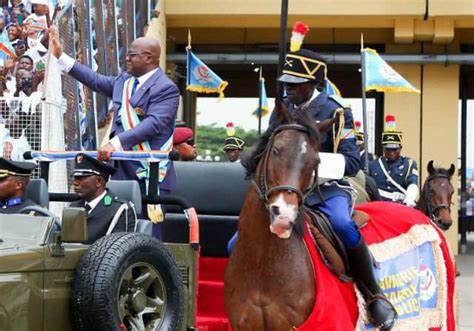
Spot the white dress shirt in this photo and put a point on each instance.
(96, 201)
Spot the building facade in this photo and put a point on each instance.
(435, 39)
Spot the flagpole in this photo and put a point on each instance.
(282, 47)
(260, 96)
(364, 102)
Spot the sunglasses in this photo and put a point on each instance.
(190, 142)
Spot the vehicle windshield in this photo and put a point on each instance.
(30, 229)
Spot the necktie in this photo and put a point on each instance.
(87, 208)
(134, 87)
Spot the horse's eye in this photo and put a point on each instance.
(275, 150)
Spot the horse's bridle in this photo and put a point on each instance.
(432, 209)
(263, 190)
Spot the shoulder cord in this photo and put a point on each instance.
(117, 215)
(394, 183)
(336, 134)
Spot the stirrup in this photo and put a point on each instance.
(381, 312)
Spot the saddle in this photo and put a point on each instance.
(327, 243)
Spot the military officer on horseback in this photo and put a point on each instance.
(396, 175)
(304, 79)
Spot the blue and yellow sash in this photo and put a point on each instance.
(129, 119)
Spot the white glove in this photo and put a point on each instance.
(412, 194)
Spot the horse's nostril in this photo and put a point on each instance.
(275, 210)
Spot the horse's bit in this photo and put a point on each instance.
(263, 190)
(433, 210)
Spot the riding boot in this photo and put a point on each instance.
(381, 311)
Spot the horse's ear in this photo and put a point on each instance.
(451, 170)
(430, 167)
(281, 110)
(325, 126)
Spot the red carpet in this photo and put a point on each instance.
(211, 314)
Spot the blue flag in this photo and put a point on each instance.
(380, 76)
(201, 79)
(264, 102)
(331, 88)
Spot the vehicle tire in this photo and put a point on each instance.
(127, 281)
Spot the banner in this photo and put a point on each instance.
(331, 88)
(380, 76)
(264, 110)
(200, 78)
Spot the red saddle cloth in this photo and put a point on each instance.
(335, 305)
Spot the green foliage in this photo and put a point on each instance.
(212, 138)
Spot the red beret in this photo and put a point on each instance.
(182, 134)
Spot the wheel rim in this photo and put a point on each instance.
(141, 298)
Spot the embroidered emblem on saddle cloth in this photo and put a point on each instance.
(328, 244)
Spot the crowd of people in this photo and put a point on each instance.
(24, 39)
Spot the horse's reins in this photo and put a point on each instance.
(433, 210)
(263, 190)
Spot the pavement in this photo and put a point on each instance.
(465, 287)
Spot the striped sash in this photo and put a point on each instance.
(129, 119)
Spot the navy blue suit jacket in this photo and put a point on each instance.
(158, 99)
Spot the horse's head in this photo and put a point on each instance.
(436, 195)
(283, 167)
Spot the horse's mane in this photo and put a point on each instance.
(425, 196)
(302, 117)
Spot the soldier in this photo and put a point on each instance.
(396, 175)
(105, 212)
(184, 144)
(14, 178)
(233, 145)
(304, 78)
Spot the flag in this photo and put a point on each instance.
(6, 46)
(380, 76)
(331, 88)
(201, 79)
(264, 101)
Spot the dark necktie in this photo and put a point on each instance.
(87, 208)
(134, 87)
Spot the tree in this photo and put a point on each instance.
(211, 137)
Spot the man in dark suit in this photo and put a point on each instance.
(105, 212)
(145, 107)
(14, 177)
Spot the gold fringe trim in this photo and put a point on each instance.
(385, 88)
(416, 236)
(201, 89)
(392, 248)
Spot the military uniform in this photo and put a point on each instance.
(106, 212)
(306, 67)
(99, 219)
(403, 171)
(13, 204)
(397, 180)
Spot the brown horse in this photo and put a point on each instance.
(270, 282)
(257, 275)
(436, 195)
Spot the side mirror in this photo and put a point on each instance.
(74, 225)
